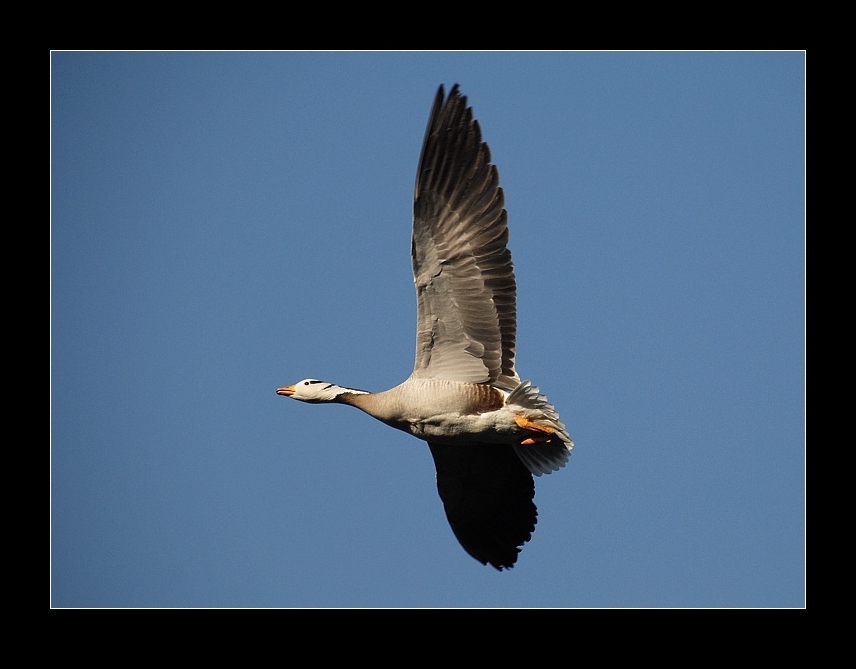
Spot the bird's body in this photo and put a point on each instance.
(488, 431)
(444, 411)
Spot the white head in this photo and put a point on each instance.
(312, 390)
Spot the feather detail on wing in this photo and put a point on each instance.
(465, 288)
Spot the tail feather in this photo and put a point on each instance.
(541, 458)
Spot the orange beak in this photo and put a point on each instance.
(288, 391)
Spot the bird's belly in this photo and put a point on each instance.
(491, 427)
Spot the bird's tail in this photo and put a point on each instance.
(551, 454)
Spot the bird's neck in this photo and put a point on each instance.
(347, 395)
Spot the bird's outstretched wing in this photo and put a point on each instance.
(465, 288)
(487, 493)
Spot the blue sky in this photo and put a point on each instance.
(223, 224)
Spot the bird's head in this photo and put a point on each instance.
(312, 390)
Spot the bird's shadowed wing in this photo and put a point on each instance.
(465, 289)
(487, 493)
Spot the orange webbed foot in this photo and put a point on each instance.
(542, 434)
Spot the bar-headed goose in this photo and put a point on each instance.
(488, 431)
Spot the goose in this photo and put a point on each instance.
(488, 431)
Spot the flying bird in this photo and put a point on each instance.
(488, 431)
